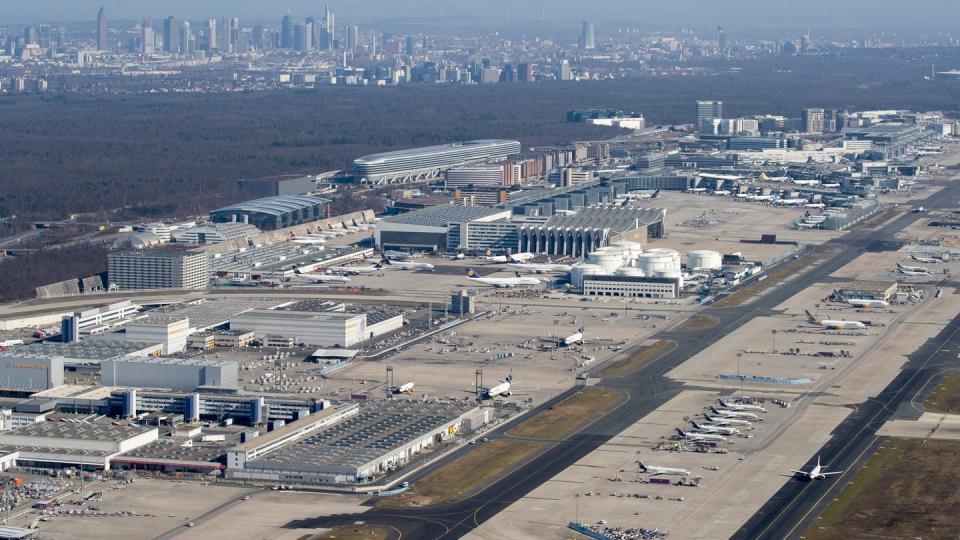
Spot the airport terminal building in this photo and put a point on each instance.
(429, 162)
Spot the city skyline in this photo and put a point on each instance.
(855, 14)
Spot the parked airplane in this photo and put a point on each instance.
(662, 470)
(405, 388)
(407, 265)
(727, 413)
(925, 260)
(308, 240)
(502, 389)
(806, 182)
(816, 473)
(790, 202)
(720, 430)
(516, 281)
(835, 324)
(814, 205)
(700, 436)
(321, 278)
(538, 268)
(725, 421)
(864, 303)
(576, 337)
(912, 270)
(519, 257)
(399, 255)
(741, 406)
(830, 185)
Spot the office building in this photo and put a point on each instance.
(158, 269)
(410, 47)
(146, 38)
(302, 37)
(169, 331)
(103, 30)
(286, 32)
(186, 39)
(331, 29)
(272, 213)
(707, 113)
(353, 38)
(212, 42)
(812, 121)
(171, 37)
(428, 162)
(587, 37)
(573, 176)
(271, 186)
(177, 374)
(477, 175)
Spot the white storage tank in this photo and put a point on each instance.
(659, 262)
(630, 271)
(630, 250)
(608, 259)
(580, 270)
(704, 259)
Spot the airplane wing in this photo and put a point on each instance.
(829, 473)
(798, 472)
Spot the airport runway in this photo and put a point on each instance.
(648, 390)
(798, 503)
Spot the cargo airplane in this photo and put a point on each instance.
(741, 406)
(835, 324)
(321, 278)
(726, 413)
(700, 436)
(719, 430)
(725, 421)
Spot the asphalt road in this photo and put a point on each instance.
(648, 389)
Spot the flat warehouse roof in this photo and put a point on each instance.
(278, 205)
(441, 215)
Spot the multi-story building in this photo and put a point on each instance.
(587, 37)
(477, 175)
(103, 42)
(707, 112)
(171, 39)
(158, 269)
(812, 121)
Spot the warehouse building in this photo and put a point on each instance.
(428, 162)
(324, 329)
(69, 444)
(96, 320)
(869, 290)
(427, 229)
(26, 371)
(158, 269)
(170, 332)
(272, 213)
(379, 438)
(179, 374)
(589, 229)
(272, 186)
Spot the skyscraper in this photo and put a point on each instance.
(331, 27)
(171, 38)
(353, 37)
(587, 37)
(721, 38)
(411, 46)
(146, 38)
(812, 120)
(45, 36)
(212, 42)
(286, 32)
(707, 112)
(186, 38)
(102, 30)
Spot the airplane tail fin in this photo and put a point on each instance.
(510, 259)
(643, 468)
(517, 274)
(694, 424)
(378, 266)
(681, 432)
(707, 417)
(810, 316)
(510, 376)
(714, 410)
(471, 274)
(384, 259)
(818, 460)
(297, 271)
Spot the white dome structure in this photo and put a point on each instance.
(704, 259)
(659, 263)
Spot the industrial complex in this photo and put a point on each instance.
(651, 331)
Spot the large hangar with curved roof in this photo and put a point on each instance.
(272, 213)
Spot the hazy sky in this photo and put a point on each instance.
(828, 14)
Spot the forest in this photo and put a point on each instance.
(166, 155)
